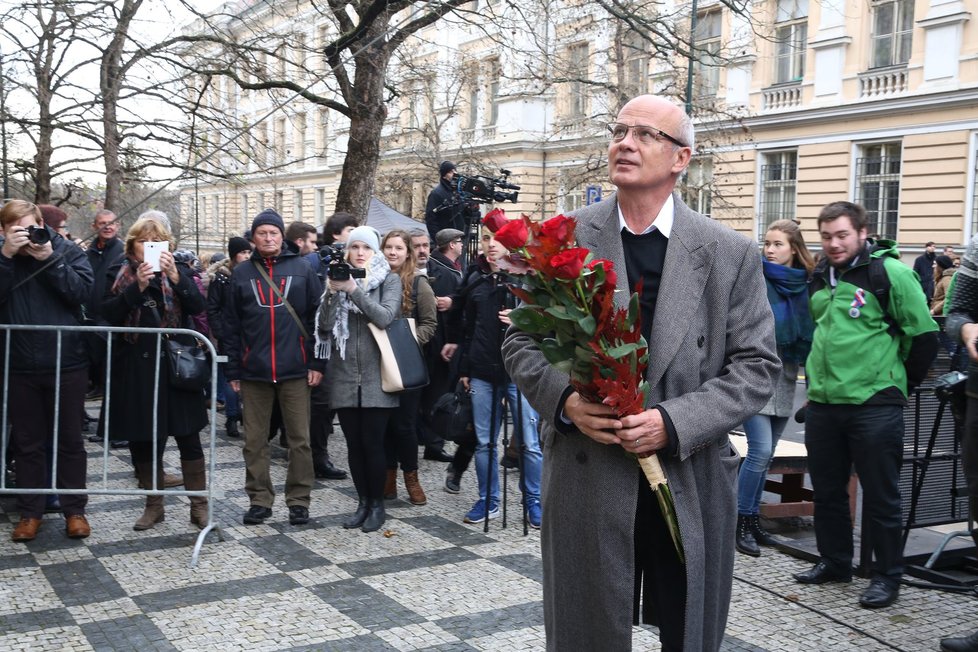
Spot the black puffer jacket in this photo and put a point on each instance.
(483, 296)
(218, 298)
(262, 340)
(102, 260)
(53, 296)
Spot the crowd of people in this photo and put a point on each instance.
(730, 327)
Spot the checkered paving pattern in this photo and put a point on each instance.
(426, 581)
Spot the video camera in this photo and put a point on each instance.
(487, 189)
(337, 269)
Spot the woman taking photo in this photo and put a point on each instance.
(787, 266)
(140, 297)
(354, 369)
(417, 301)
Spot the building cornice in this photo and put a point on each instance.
(846, 112)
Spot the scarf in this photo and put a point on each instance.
(377, 270)
(170, 317)
(787, 292)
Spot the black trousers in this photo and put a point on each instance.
(31, 409)
(969, 447)
(401, 441)
(320, 423)
(190, 449)
(869, 437)
(660, 578)
(364, 430)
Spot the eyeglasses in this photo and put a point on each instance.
(642, 133)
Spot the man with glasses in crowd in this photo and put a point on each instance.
(712, 363)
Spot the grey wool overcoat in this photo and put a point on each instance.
(712, 362)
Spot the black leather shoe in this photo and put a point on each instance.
(437, 455)
(231, 428)
(359, 516)
(298, 515)
(256, 515)
(820, 573)
(879, 594)
(326, 470)
(960, 643)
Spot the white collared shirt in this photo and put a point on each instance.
(662, 221)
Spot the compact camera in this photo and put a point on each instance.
(38, 235)
(337, 269)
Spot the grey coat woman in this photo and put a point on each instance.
(353, 372)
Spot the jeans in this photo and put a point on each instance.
(232, 402)
(763, 432)
(869, 437)
(484, 396)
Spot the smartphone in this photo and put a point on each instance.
(151, 253)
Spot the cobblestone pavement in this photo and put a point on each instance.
(424, 582)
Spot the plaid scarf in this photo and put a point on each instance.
(170, 317)
(787, 292)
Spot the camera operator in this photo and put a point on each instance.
(962, 326)
(44, 278)
(445, 209)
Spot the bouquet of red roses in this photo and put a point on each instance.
(568, 302)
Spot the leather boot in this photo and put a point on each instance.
(359, 516)
(375, 517)
(761, 536)
(390, 485)
(415, 492)
(153, 513)
(745, 539)
(231, 428)
(960, 643)
(195, 479)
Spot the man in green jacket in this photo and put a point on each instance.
(874, 342)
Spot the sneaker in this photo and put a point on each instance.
(509, 462)
(257, 514)
(452, 481)
(478, 512)
(298, 515)
(534, 514)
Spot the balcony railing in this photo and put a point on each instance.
(883, 83)
(777, 98)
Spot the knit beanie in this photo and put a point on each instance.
(944, 262)
(445, 168)
(268, 216)
(366, 235)
(236, 245)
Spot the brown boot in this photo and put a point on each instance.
(153, 513)
(390, 485)
(195, 479)
(415, 492)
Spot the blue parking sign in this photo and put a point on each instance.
(592, 195)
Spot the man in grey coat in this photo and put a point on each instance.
(608, 560)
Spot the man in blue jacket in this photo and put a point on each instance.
(270, 358)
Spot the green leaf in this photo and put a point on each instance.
(531, 319)
(588, 325)
(622, 351)
(634, 308)
(560, 312)
(584, 355)
(557, 353)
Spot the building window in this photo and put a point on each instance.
(475, 97)
(698, 185)
(279, 201)
(577, 73)
(892, 32)
(320, 206)
(791, 40)
(322, 134)
(706, 71)
(492, 70)
(636, 65)
(245, 213)
(779, 179)
(216, 212)
(300, 136)
(297, 205)
(878, 187)
(279, 156)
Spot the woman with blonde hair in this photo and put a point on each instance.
(787, 267)
(139, 297)
(417, 301)
(355, 391)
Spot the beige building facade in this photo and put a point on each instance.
(874, 102)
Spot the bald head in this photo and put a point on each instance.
(671, 117)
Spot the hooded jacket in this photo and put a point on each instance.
(262, 340)
(45, 292)
(859, 353)
(484, 295)
(218, 295)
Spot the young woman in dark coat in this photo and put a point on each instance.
(139, 297)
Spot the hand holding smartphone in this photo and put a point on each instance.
(151, 253)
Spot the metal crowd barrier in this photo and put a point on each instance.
(102, 487)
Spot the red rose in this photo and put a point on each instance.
(610, 276)
(568, 263)
(495, 219)
(513, 234)
(559, 228)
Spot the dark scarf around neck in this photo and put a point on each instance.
(787, 292)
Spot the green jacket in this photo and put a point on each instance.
(855, 358)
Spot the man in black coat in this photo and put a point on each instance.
(924, 266)
(445, 208)
(103, 253)
(270, 359)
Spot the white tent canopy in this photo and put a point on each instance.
(384, 218)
